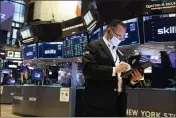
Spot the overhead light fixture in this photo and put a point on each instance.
(28, 40)
(170, 46)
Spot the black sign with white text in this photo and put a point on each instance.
(160, 28)
(132, 32)
(50, 50)
(29, 51)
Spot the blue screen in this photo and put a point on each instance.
(74, 45)
(11, 81)
(37, 75)
(159, 28)
(29, 51)
(50, 50)
(95, 35)
(172, 57)
(132, 32)
(104, 29)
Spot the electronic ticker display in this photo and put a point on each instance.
(159, 28)
(132, 32)
(74, 45)
(50, 50)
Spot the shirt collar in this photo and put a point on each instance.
(106, 41)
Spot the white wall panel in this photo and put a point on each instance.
(62, 10)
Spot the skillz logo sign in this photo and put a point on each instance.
(126, 35)
(167, 30)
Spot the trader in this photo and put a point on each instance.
(103, 64)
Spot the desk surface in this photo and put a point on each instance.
(47, 100)
(57, 86)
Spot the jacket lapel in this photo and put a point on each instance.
(106, 50)
(121, 57)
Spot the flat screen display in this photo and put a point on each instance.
(151, 58)
(13, 55)
(17, 55)
(50, 50)
(132, 33)
(37, 75)
(88, 18)
(11, 81)
(26, 33)
(29, 51)
(95, 35)
(159, 28)
(172, 57)
(10, 65)
(74, 45)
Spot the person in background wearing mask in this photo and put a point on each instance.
(103, 64)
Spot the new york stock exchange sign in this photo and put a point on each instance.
(147, 113)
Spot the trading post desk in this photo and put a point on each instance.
(7, 92)
(31, 100)
(55, 101)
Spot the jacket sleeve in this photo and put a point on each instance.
(91, 64)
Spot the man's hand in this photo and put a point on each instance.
(136, 75)
(122, 67)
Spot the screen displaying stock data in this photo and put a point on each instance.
(132, 32)
(159, 28)
(50, 50)
(74, 45)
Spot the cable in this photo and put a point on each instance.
(53, 19)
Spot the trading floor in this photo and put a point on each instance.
(6, 111)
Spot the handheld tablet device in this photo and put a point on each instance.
(141, 66)
(134, 61)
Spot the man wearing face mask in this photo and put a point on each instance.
(103, 64)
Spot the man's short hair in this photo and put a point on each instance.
(116, 22)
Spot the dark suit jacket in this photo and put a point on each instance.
(100, 86)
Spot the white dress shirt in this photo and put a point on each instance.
(113, 50)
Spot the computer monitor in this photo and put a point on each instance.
(88, 18)
(132, 36)
(95, 35)
(48, 50)
(74, 45)
(172, 56)
(152, 58)
(10, 65)
(159, 28)
(37, 75)
(11, 81)
(26, 33)
(29, 51)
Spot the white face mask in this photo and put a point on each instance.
(115, 41)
